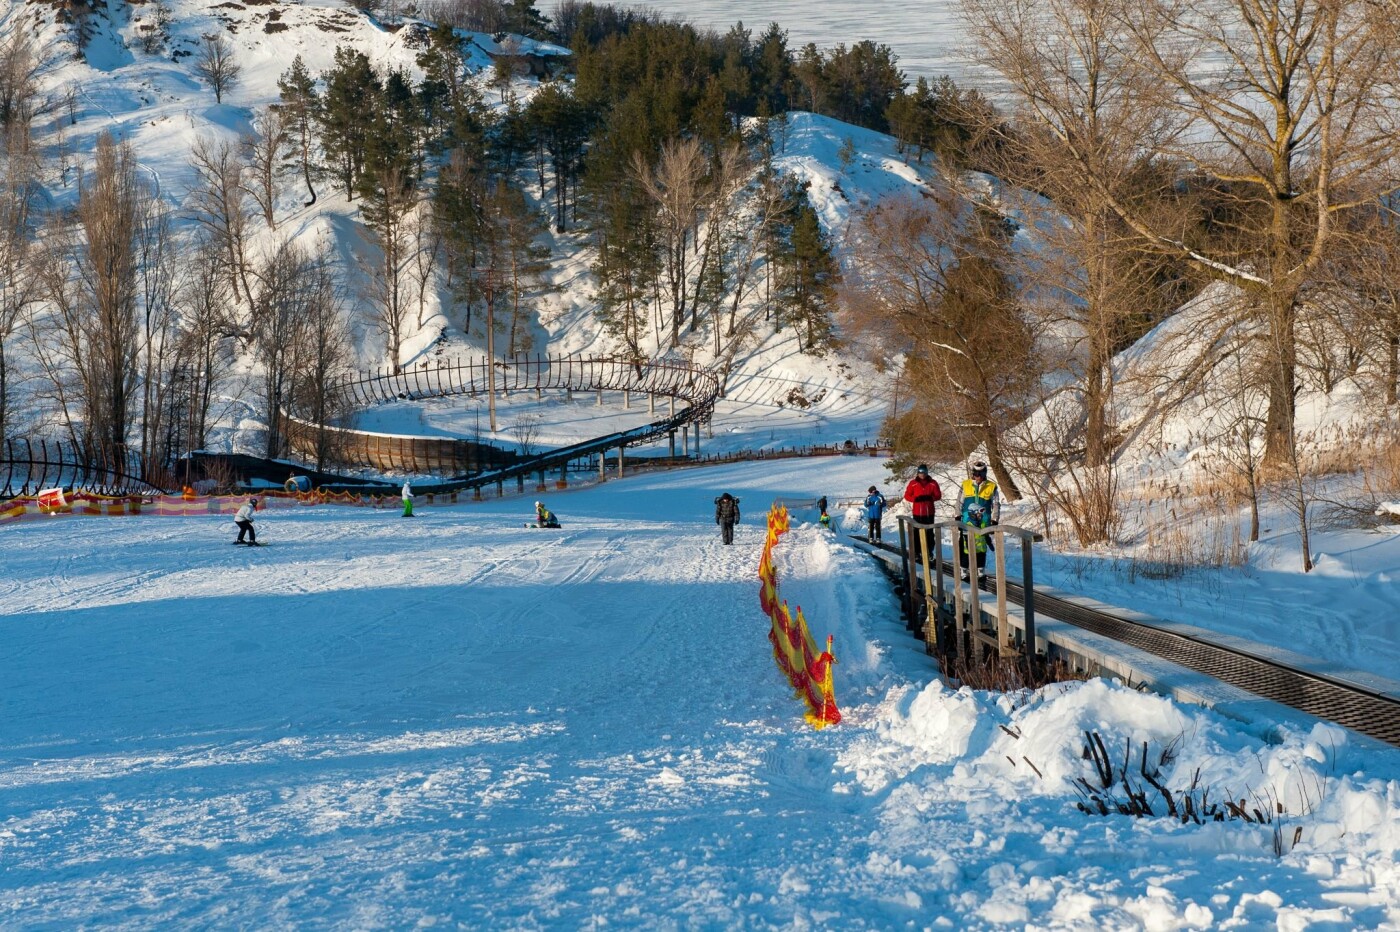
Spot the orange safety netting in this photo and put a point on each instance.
(793, 648)
(85, 503)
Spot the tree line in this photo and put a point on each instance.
(1152, 149)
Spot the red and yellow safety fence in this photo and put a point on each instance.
(793, 648)
(86, 503)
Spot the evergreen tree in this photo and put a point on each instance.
(807, 274)
(560, 122)
(348, 111)
(302, 108)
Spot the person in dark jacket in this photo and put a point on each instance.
(874, 512)
(726, 516)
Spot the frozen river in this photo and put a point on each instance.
(925, 34)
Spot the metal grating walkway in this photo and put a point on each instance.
(1371, 713)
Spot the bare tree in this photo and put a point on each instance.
(279, 325)
(323, 360)
(1237, 411)
(214, 62)
(263, 150)
(389, 288)
(158, 278)
(90, 277)
(219, 203)
(18, 280)
(931, 280)
(1285, 112)
(203, 352)
(426, 248)
(677, 187)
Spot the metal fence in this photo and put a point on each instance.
(696, 389)
(28, 466)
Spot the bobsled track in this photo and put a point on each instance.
(689, 393)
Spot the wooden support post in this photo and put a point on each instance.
(938, 570)
(974, 594)
(600, 397)
(906, 552)
(1028, 597)
(671, 437)
(539, 485)
(1003, 628)
(619, 461)
(563, 482)
(626, 400)
(930, 632)
(500, 489)
(602, 467)
(651, 403)
(959, 594)
(520, 483)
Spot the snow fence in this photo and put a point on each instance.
(86, 503)
(793, 648)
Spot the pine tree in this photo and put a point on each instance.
(349, 109)
(301, 105)
(807, 274)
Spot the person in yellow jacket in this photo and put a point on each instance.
(980, 507)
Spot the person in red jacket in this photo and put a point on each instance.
(922, 492)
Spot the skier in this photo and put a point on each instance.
(874, 511)
(544, 517)
(244, 519)
(726, 516)
(407, 500)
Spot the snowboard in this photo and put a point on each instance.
(246, 543)
(544, 527)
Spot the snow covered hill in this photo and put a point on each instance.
(155, 101)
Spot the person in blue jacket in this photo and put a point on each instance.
(874, 511)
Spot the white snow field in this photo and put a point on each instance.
(382, 722)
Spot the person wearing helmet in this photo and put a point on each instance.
(874, 512)
(981, 507)
(544, 517)
(244, 519)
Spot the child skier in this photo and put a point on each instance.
(407, 501)
(244, 519)
(544, 517)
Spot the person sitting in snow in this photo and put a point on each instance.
(544, 517)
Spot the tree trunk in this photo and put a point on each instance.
(1009, 490)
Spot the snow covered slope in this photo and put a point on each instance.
(385, 722)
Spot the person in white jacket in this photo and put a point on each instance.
(407, 501)
(244, 519)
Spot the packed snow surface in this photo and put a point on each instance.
(376, 721)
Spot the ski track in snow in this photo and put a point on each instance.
(387, 722)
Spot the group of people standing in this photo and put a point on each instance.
(979, 505)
